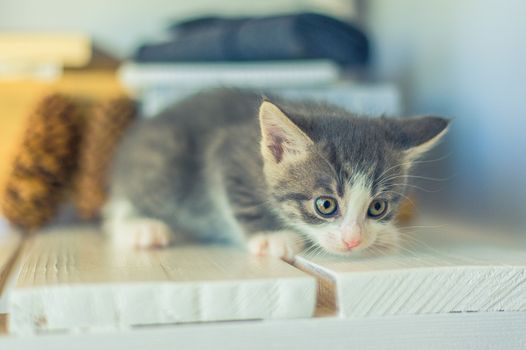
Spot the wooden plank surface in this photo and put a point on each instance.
(439, 269)
(75, 279)
(501, 330)
(9, 244)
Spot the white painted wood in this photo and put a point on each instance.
(441, 269)
(74, 279)
(495, 331)
(9, 245)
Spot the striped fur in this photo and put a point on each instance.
(227, 165)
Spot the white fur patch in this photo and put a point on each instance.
(357, 199)
(282, 244)
(142, 233)
(127, 229)
(115, 212)
(354, 206)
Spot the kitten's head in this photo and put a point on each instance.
(339, 179)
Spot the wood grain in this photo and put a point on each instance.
(439, 270)
(75, 279)
(9, 245)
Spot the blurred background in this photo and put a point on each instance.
(462, 59)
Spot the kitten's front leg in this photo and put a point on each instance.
(129, 229)
(284, 244)
(142, 233)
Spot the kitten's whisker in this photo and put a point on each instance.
(423, 227)
(309, 250)
(445, 254)
(393, 243)
(374, 251)
(401, 195)
(412, 253)
(407, 239)
(316, 251)
(390, 248)
(321, 252)
(445, 179)
(412, 186)
(380, 249)
(412, 163)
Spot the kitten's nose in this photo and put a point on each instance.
(352, 235)
(353, 243)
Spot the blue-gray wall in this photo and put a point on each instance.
(465, 59)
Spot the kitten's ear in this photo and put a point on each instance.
(416, 136)
(281, 139)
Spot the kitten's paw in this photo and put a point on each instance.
(283, 244)
(143, 233)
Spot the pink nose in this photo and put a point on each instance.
(352, 244)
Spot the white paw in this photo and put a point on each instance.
(282, 244)
(143, 233)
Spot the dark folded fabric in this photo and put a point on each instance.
(286, 37)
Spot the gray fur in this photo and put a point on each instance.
(200, 160)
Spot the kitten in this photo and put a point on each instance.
(230, 166)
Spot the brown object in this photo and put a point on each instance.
(43, 164)
(18, 99)
(406, 213)
(102, 133)
(65, 49)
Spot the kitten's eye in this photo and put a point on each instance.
(377, 208)
(326, 206)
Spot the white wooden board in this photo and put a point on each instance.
(441, 269)
(494, 331)
(74, 279)
(9, 245)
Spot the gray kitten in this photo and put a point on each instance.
(269, 174)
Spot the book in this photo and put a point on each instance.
(138, 77)
(63, 49)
